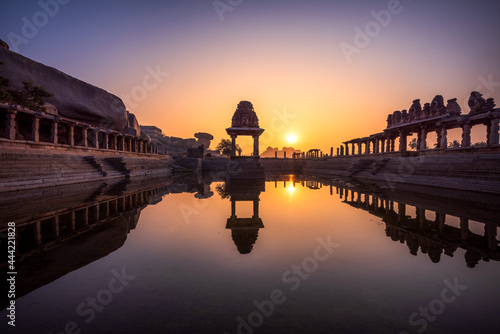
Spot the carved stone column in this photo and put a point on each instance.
(466, 135)
(255, 146)
(11, 124)
(105, 141)
(53, 132)
(423, 138)
(35, 129)
(493, 139)
(84, 136)
(402, 141)
(71, 134)
(443, 142)
(346, 149)
(96, 138)
(233, 145)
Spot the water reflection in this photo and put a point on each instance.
(244, 230)
(432, 236)
(63, 229)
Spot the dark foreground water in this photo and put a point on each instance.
(293, 255)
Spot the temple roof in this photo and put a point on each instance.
(245, 116)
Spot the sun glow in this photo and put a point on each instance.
(291, 138)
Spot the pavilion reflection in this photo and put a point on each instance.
(244, 230)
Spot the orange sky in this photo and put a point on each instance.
(283, 56)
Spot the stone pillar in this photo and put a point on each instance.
(331, 151)
(38, 233)
(402, 141)
(11, 124)
(53, 132)
(96, 137)
(35, 129)
(256, 208)
(233, 145)
(346, 149)
(443, 139)
(491, 235)
(360, 151)
(284, 154)
(115, 142)
(466, 135)
(105, 141)
(342, 150)
(393, 144)
(256, 146)
(375, 146)
(338, 150)
(493, 139)
(352, 148)
(71, 134)
(401, 212)
(423, 138)
(367, 147)
(388, 144)
(382, 145)
(84, 136)
(420, 213)
(464, 228)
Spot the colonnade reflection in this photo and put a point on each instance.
(62, 229)
(433, 237)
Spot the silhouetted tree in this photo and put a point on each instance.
(224, 147)
(4, 93)
(479, 144)
(221, 190)
(413, 144)
(454, 144)
(31, 97)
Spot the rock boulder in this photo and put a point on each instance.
(73, 98)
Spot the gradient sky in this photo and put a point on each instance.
(283, 56)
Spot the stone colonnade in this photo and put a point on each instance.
(386, 141)
(39, 127)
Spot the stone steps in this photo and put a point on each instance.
(27, 171)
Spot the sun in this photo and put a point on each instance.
(291, 138)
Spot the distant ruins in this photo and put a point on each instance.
(433, 117)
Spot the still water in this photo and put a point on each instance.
(291, 254)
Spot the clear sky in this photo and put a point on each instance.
(337, 67)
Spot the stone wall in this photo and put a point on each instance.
(24, 167)
(476, 170)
